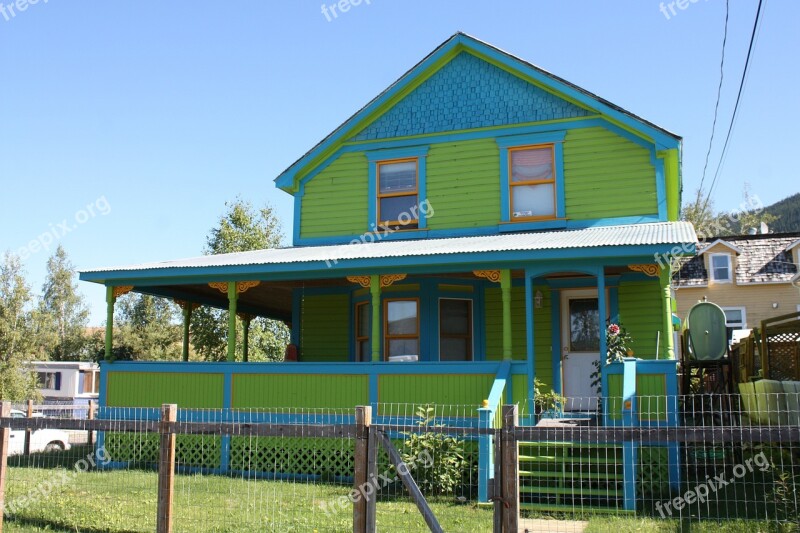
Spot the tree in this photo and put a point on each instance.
(63, 314)
(752, 213)
(241, 228)
(700, 213)
(145, 329)
(16, 332)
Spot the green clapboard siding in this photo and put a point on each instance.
(151, 389)
(606, 175)
(463, 184)
(519, 390)
(325, 328)
(255, 391)
(543, 339)
(452, 389)
(493, 303)
(335, 200)
(614, 396)
(640, 311)
(651, 391)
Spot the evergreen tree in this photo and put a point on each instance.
(241, 228)
(63, 314)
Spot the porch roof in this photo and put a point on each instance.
(599, 241)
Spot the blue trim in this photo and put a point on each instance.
(297, 315)
(613, 303)
(555, 318)
(227, 401)
(530, 349)
(449, 49)
(602, 311)
(297, 220)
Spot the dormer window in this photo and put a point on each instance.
(720, 267)
(533, 182)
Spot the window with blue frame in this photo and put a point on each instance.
(532, 181)
(401, 329)
(398, 197)
(455, 329)
(363, 345)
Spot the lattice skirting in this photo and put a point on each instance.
(191, 451)
(326, 458)
(653, 471)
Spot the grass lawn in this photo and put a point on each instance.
(125, 501)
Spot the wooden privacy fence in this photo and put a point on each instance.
(771, 351)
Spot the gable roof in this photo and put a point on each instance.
(723, 243)
(442, 55)
(762, 259)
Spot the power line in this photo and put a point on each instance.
(719, 94)
(738, 98)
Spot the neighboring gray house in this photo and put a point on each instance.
(67, 381)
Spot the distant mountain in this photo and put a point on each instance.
(788, 213)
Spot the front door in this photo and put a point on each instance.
(580, 348)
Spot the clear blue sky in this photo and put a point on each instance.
(156, 113)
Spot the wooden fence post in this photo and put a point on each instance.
(90, 416)
(510, 459)
(363, 422)
(5, 412)
(166, 467)
(28, 432)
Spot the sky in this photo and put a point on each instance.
(126, 126)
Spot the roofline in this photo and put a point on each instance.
(792, 246)
(722, 242)
(459, 41)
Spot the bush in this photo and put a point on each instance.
(437, 460)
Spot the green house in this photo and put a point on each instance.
(475, 226)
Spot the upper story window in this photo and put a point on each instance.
(398, 194)
(533, 183)
(720, 268)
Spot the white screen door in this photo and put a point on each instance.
(580, 347)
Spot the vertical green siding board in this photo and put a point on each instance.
(493, 306)
(150, 389)
(543, 338)
(300, 391)
(325, 328)
(651, 390)
(640, 313)
(614, 396)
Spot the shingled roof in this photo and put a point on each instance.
(763, 259)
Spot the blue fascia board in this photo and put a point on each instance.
(451, 47)
(407, 264)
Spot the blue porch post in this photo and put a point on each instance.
(630, 449)
(485, 459)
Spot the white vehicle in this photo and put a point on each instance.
(42, 440)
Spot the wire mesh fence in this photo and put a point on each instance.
(649, 462)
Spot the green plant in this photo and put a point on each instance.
(617, 348)
(436, 460)
(547, 401)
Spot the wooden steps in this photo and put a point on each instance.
(571, 477)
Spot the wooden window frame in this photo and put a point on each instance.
(387, 337)
(512, 183)
(711, 270)
(360, 338)
(412, 224)
(470, 336)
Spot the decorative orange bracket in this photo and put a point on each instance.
(647, 269)
(491, 275)
(241, 286)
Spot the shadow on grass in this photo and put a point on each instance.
(58, 526)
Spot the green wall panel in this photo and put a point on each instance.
(543, 338)
(614, 396)
(651, 391)
(640, 311)
(151, 389)
(335, 200)
(606, 175)
(252, 391)
(449, 389)
(325, 328)
(493, 304)
(463, 184)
